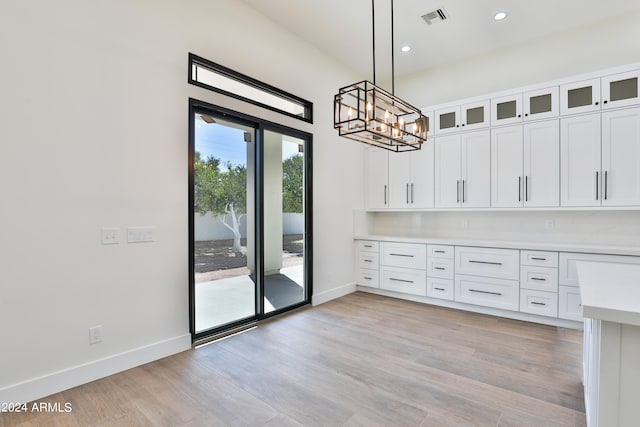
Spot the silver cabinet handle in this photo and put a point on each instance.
(463, 190)
(404, 255)
(368, 246)
(485, 262)
(539, 278)
(485, 292)
(385, 194)
(597, 185)
(400, 280)
(438, 252)
(538, 303)
(458, 191)
(519, 188)
(367, 260)
(368, 278)
(605, 184)
(407, 193)
(538, 258)
(439, 289)
(526, 188)
(412, 193)
(438, 268)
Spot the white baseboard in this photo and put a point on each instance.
(55, 382)
(338, 292)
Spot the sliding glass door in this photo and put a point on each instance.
(250, 250)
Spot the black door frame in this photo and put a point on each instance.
(260, 126)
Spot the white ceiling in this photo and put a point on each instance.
(342, 28)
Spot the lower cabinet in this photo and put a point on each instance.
(440, 288)
(539, 302)
(405, 280)
(569, 303)
(487, 291)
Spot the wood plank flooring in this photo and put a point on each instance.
(361, 360)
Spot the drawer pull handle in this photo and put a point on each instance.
(538, 303)
(438, 268)
(538, 258)
(485, 262)
(368, 246)
(368, 278)
(485, 292)
(438, 252)
(400, 280)
(439, 289)
(539, 278)
(404, 255)
(368, 260)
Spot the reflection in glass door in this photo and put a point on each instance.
(284, 221)
(223, 220)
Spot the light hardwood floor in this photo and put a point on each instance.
(361, 360)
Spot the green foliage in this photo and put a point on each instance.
(293, 183)
(218, 191)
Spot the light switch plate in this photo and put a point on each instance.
(110, 235)
(139, 234)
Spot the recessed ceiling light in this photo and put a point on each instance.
(405, 48)
(500, 16)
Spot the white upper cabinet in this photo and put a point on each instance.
(376, 178)
(621, 157)
(541, 104)
(462, 170)
(580, 175)
(580, 97)
(411, 178)
(457, 118)
(506, 110)
(620, 90)
(506, 167)
(542, 164)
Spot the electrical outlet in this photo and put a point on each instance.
(95, 334)
(549, 224)
(110, 235)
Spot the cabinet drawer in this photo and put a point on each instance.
(537, 302)
(440, 251)
(440, 288)
(440, 267)
(368, 260)
(542, 259)
(408, 255)
(488, 262)
(539, 278)
(486, 291)
(368, 246)
(368, 278)
(568, 276)
(569, 303)
(403, 280)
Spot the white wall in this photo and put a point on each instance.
(94, 133)
(606, 44)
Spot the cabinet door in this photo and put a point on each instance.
(580, 177)
(620, 90)
(399, 179)
(421, 187)
(475, 115)
(506, 167)
(580, 97)
(542, 164)
(376, 177)
(447, 120)
(506, 110)
(475, 186)
(447, 171)
(569, 303)
(541, 104)
(621, 157)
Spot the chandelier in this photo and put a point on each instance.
(367, 113)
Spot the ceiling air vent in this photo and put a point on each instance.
(437, 15)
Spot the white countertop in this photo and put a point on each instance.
(511, 244)
(610, 292)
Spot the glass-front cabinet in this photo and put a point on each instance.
(506, 110)
(541, 104)
(620, 90)
(580, 97)
(474, 115)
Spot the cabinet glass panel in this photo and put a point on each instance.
(448, 120)
(475, 115)
(623, 89)
(540, 104)
(579, 97)
(506, 110)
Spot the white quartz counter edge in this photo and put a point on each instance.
(511, 244)
(610, 292)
